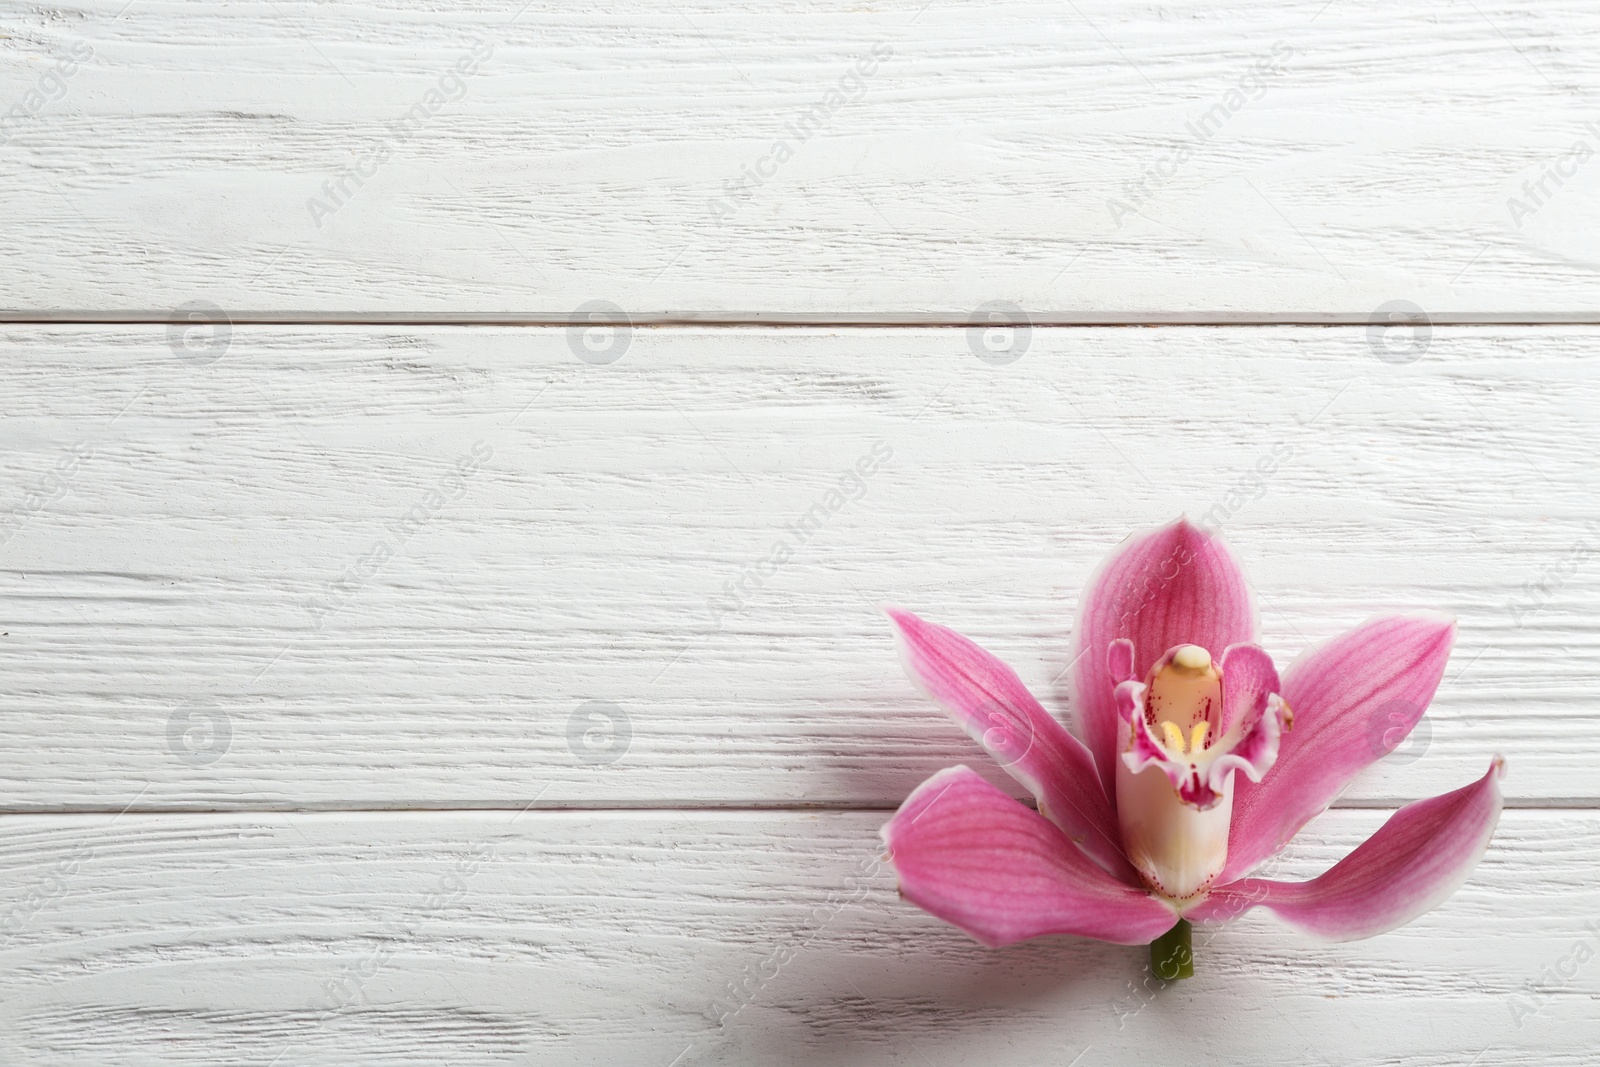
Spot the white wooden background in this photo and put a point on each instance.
(309, 605)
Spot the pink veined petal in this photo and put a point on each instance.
(1253, 754)
(1253, 717)
(1174, 585)
(1354, 699)
(1119, 661)
(990, 702)
(1415, 860)
(982, 861)
(1248, 679)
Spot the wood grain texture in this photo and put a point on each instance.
(198, 614)
(727, 938)
(1308, 158)
(514, 694)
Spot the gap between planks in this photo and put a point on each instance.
(611, 807)
(1043, 320)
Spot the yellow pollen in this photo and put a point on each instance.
(1197, 739)
(1191, 658)
(1173, 737)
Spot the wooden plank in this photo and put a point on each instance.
(1240, 157)
(731, 938)
(251, 544)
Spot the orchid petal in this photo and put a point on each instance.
(1354, 699)
(1119, 661)
(1248, 679)
(996, 710)
(1256, 752)
(974, 857)
(1254, 717)
(1415, 860)
(1174, 585)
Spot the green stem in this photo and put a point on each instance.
(1172, 954)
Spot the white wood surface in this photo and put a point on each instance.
(977, 161)
(727, 938)
(364, 692)
(583, 558)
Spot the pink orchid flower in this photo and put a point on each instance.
(1197, 765)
